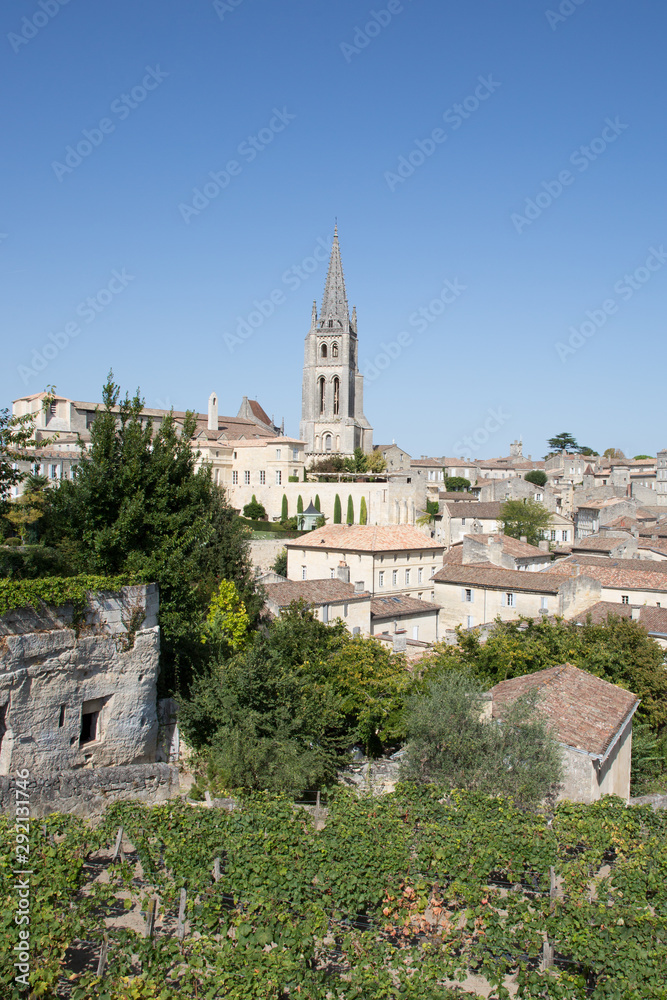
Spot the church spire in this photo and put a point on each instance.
(334, 302)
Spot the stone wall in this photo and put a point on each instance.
(88, 791)
(73, 699)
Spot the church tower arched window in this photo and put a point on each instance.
(322, 393)
(327, 442)
(334, 350)
(336, 396)
(323, 351)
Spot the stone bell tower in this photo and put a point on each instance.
(332, 412)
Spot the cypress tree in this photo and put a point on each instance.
(350, 510)
(299, 504)
(337, 511)
(363, 512)
(317, 502)
(284, 512)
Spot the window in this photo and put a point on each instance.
(407, 577)
(53, 409)
(463, 520)
(246, 478)
(262, 479)
(625, 599)
(336, 396)
(327, 442)
(91, 721)
(330, 324)
(432, 570)
(279, 477)
(356, 630)
(53, 472)
(510, 600)
(420, 575)
(468, 595)
(235, 455)
(332, 573)
(334, 350)
(539, 496)
(235, 478)
(553, 535)
(394, 578)
(381, 578)
(325, 614)
(295, 454)
(278, 453)
(323, 351)
(566, 536)
(345, 610)
(544, 603)
(304, 573)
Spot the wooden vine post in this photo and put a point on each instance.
(180, 927)
(547, 947)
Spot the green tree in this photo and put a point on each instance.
(524, 517)
(350, 510)
(536, 476)
(24, 511)
(254, 510)
(363, 511)
(376, 463)
(586, 451)
(17, 444)
(639, 458)
(299, 504)
(284, 511)
(457, 484)
(139, 505)
(338, 514)
(318, 505)
(227, 622)
(429, 515)
(451, 744)
(563, 442)
(280, 563)
(358, 463)
(614, 453)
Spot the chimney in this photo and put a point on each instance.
(635, 613)
(544, 545)
(400, 643)
(213, 412)
(523, 538)
(358, 585)
(343, 572)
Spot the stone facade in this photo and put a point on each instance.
(332, 413)
(85, 697)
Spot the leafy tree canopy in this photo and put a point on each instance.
(280, 564)
(255, 510)
(563, 442)
(639, 458)
(457, 484)
(138, 505)
(450, 742)
(614, 453)
(524, 517)
(536, 476)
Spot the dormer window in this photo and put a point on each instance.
(323, 351)
(334, 350)
(331, 324)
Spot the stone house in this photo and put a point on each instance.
(590, 515)
(329, 599)
(383, 560)
(476, 594)
(80, 696)
(459, 519)
(652, 620)
(592, 721)
(622, 581)
(397, 460)
(619, 545)
(505, 552)
(418, 620)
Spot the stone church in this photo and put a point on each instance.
(332, 411)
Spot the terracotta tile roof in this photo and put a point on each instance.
(263, 442)
(493, 578)
(618, 574)
(457, 497)
(259, 412)
(393, 607)
(455, 555)
(426, 463)
(654, 620)
(367, 538)
(598, 543)
(586, 712)
(512, 546)
(485, 511)
(315, 592)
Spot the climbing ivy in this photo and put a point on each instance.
(58, 591)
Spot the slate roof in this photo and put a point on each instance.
(654, 620)
(314, 592)
(587, 712)
(367, 538)
(394, 607)
(493, 578)
(485, 511)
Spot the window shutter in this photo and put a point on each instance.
(463, 594)
(504, 600)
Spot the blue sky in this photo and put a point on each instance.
(560, 104)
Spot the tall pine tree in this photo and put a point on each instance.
(350, 510)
